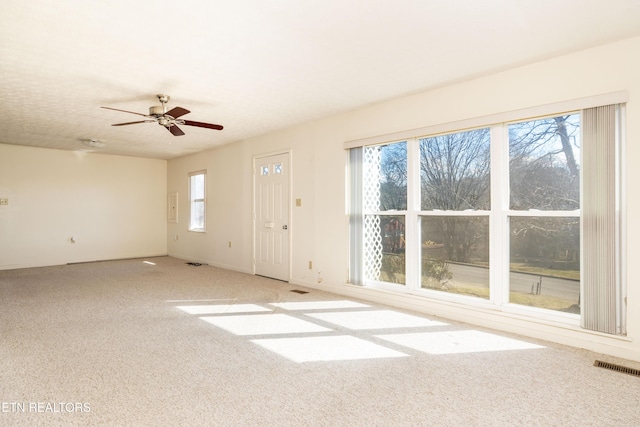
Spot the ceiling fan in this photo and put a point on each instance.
(168, 119)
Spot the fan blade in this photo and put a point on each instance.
(176, 112)
(203, 125)
(133, 123)
(125, 111)
(175, 130)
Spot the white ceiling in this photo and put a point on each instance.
(256, 66)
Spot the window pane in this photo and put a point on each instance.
(455, 254)
(454, 171)
(385, 177)
(544, 163)
(545, 263)
(197, 215)
(384, 248)
(197, 187)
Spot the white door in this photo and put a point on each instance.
(271, 216)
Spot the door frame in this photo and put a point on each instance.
(289, 240)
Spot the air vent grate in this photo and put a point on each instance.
(618, 368)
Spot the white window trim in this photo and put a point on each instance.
(557, 108)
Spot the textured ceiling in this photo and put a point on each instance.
(256, 66)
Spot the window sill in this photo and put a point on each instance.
(473, 311)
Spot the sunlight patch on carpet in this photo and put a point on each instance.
(378, 319)
(322, 349)
(318, 305)
(452, 342)
(222, 308)
(263, 324)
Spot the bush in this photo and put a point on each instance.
(436, 268)
(392, 265)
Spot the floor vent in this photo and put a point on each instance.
(297, 291)
(619, 368)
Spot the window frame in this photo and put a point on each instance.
(391, 213)
(193, 202)
(499, 214)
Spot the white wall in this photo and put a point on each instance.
(319, 227)
(227, 185)
(114, 207)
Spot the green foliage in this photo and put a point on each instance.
(436, 268)
(392, 267)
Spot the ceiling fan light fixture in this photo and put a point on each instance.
(169, 119)
(94, 143)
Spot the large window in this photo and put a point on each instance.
(507, 215)
(197, 201)
(544, 212)
(454, 212)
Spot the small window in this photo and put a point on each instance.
(197, 201)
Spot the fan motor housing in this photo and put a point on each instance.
(156, 110)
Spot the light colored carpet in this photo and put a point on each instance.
(157, 342)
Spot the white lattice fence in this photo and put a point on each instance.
(372, 233)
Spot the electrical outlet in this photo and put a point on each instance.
(310, 265)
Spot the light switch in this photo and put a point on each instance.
(298, 202)
(4, 202)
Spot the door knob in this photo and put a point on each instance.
(285, 227)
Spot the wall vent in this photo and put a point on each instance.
(619, 368)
